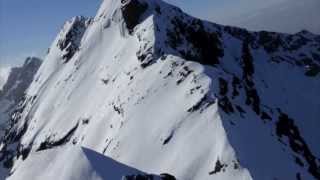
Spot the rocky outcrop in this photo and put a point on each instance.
(20, 79)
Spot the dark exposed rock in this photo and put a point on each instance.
(286, 127)
(105, 81)
(167, 140)
(184, 74)
(20, 79)
(241, 34)
(224, 102)
(313, 70)
(218, 168)
(235, 86)
(165, 176)
(118, 109)
(247, 61)
(316, 56)
(223, 84)
(299, 161)
(24, 152)
(225, 105)
(194, 89)
(138, 177)
(202, 104)
(240, 110)
(236, 165)
(8, 162)
(148, 177)
(158, 9)
(270, 41)
(11, 147)
(132, 11)
(146, 56)
(206, 45)
(174, 39)
(70, 44)
(252, 97)
(296, 41)
(265, 116)
(197, 106)
(85, 121)
(50, 144)
(298, 176)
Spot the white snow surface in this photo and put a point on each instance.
(74, 163)
(139, 116)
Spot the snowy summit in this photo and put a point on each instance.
(143, 91)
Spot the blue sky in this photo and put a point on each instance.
(27, 27)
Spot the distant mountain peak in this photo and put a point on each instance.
(14, 89)
(20, 78)
(32, 61)
(164, 92)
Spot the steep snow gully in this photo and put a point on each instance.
(145, 86)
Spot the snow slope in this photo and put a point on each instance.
(83, 164)
(163, 92)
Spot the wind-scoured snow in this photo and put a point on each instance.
(155, 89)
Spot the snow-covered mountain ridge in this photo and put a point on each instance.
(14, 89)
(15, 85)
(19, 79)
(163, 92)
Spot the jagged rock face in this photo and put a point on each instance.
(13, 92)
(164, 92)
(70, 44)
(19, 79)
(206, 45)
(132, 11)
